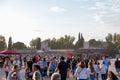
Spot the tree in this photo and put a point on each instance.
(2, 42)
(109, 38)
(95, 44)
(19, 45)
(65, 42)
(80, 42)
(10, 44)
(35, 43)
(38, 45)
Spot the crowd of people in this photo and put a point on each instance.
(59, 68)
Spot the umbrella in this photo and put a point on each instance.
(9, 52)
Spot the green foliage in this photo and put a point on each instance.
(35, 43)
(94, 43)
(109, 38)
(65, 42)
(10, 44)
(38, 45)
(2, 42)
(80, 42)
(19, 45)
(113, 41)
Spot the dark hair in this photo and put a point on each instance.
(37, 67)
(62, 58)
(91, 67)
(112, 76)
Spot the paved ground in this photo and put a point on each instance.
(2, 74)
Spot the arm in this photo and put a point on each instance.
(76, 72)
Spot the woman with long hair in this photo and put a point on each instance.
(81, 71)
(111, 76)
(91, 71)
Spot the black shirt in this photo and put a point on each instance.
(63, 67)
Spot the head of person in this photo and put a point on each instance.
(36, 68)
(104, 57)
(15, 68)
(81, 64)
(112, 76)
(117, 59)
(7, 59)
(62, 58)
(55, 76)
(27, 70)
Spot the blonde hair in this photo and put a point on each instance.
(55, 76)
(14, 67)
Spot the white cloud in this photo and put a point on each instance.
(112, 20)
(56, 9)
(108, 20)
(93, 8)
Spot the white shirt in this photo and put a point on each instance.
(41, 64)
(17, 62)
(82, 73)
(96, 68)
(103, 69)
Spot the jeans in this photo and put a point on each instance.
(103, 76)
(92, 77)
(82, 79)
(42, 72)
(6, 74)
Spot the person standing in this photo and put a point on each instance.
(117, 66)
(37, 75)
(15, 69)
(106, 63)
(30, 63)
(81, 72)
(62, 68)
(6, 66)
(103, 71)
(17, 62)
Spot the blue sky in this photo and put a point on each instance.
(27, 19)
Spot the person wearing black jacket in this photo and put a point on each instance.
(62, 68)
(117, 66)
